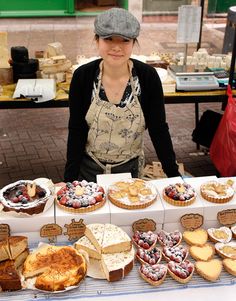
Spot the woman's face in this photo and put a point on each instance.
(115, 50)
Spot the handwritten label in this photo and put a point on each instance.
(51, 231)
(144, 225)
(191, 221)
(4, 231)
(227, 217)
(75, 230)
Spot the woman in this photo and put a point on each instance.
(112, 101)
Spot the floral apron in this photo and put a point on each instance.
(115, 133)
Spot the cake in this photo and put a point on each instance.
(80, 197)
(132, 194)
(153, 274)
(85, 244)
(179, 194)
(227, 250)
(202, 253)
(230, 266)
(55, 268)
(149, 257)
(170, 239)
(222, 234)
(209, 270)
(11, 247)
(196, 237)
(24, 196)
(4, 250)
(181, 272)
(216, 192)
(177, 254)
(9, 276)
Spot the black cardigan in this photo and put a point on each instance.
(152, 103)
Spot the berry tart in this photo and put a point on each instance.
(222, 234)
(153, 274)
(181, 272)
(216, 192)
(80, 197)
(24, 197)
(149, 257)
(132, 194)
(179, 194)
(145, 240)
(176, 254)
(169, 239)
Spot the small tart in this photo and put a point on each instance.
(80, 197)
(209, 270)
(179, 194)
(216, 192)
(132, 194)
(169, 239)
(149, 257)
(227, 250)
(153, 274)
(222, 234)
(178, 253)
(145, 240)
(202, 253)
(181, 272)
(233, 229)
(230, 266)
(197, 237)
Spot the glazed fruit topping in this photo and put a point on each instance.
(169, 239)
(150, 257)
(145, 240)
(182, 270)
(180, 191)
(80, 194)
(177, 254)
(153, 272)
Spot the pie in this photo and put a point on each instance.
(230, 266)
(178, 253)
(170, 239)
(179, 194)
(196, 237)
(24, 196)
(55, 268)
(153, 274)
(227, 250)
(145, 240)
(80, 197)
(216, 192)
(209, 270)
(132, 194)
(149, 257)
(181, 272)
(222, 234)
(202, 253)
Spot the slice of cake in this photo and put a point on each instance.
(9, 276)
(16, 245)
(85, 244)
(94, 233)
(3, 251)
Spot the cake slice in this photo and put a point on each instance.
(85, 244)
(115, 240)
(3, 250)
(94, 232)
(20, 259)
(9, 276)
(16, 245)
(117, 266)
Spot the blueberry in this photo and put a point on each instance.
(41, 193)
(24, 200)
(19, 192)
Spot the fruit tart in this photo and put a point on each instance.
(216, 192)
(153, 274)
(149, 257)
(179, 194)
(146, 240)
(132, 194)
(176, 254)
(227, 250)
(181, 272)
(169, 239)
(80, 197)
(222, 234)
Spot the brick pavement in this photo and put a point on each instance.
(33, 141)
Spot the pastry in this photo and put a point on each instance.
(24, 197)
(146, 240)
(9, 276)
(132, 194)
(179, 194)
(169, 239)
(216, 192)
(153, 274)
(55, 268)
(85, 244)
(222, 234)
(178, 253)
(230, 266)
(197, 237)
(202, 253)
(80, 197)
(181, 272)
(209, 270)
(227, 250)
(233, 229)
(12, 247)
(149, 257)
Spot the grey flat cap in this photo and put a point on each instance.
(116, 22)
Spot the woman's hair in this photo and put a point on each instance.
(135, 40)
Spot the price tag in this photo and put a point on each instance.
(4, 231)
(191, 221)
(227, 217)
(144, 225)
(75, 230)
(51, 231)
